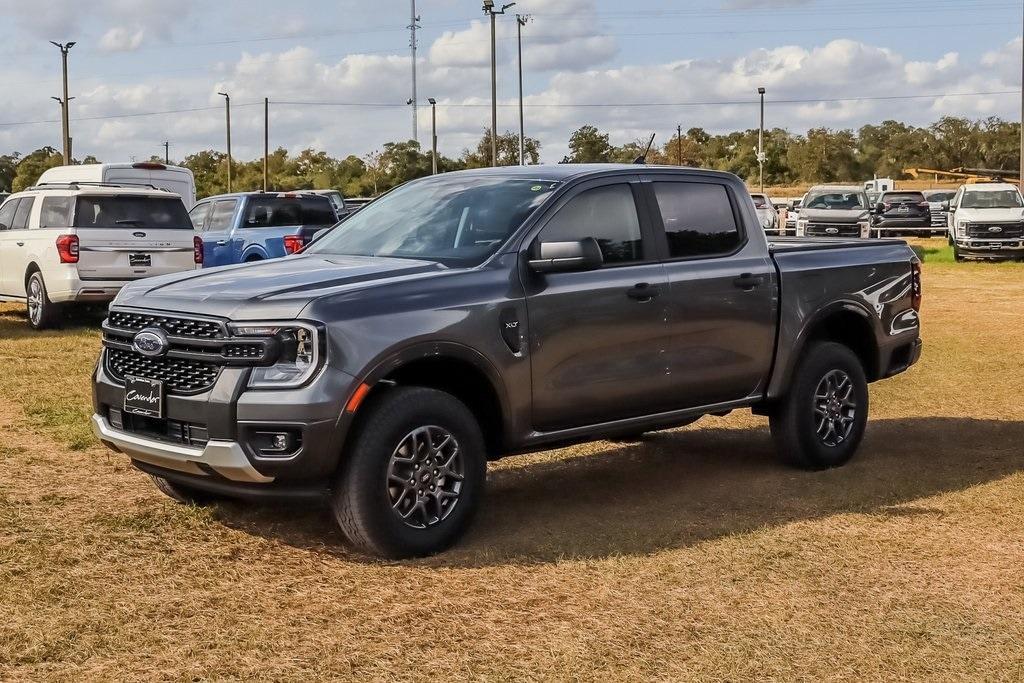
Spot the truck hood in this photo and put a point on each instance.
(834, 215)
(274, 289)
(989, 215)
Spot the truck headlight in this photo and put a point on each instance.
(801, 227)
(961, 229)
(300, 353)
(865, 228)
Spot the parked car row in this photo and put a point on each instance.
(84, 231)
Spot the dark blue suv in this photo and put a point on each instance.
(253, 226)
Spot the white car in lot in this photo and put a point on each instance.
(67, 243)
(986, 220)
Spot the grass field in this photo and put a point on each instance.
(690, 556)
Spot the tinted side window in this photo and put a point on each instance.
(55, 212)
(7, 214)
(22, 214)
(698, 219)
(608, 214)
(279, 212)
(220, 217)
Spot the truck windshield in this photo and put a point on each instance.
(992, 199)
(459, 220)
(835, 200)
(131, 211)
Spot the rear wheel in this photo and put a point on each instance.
(957, 256)
(42, 313)
(820, 423)
(414, 475)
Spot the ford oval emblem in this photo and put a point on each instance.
(832, 231)
(139, 234)
(151, 342)
(995, 228)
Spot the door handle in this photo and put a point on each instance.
(21, 244)
(222, 243)
(642, 292)
(747, 281)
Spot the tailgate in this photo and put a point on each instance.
(119, 254)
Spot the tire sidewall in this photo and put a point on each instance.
(822, 359)
(397, 413)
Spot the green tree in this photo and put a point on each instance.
(588, 145)
(508, 151)
(8, 169)
(32, 166)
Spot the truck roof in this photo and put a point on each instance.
(989, 187)
(573, 171)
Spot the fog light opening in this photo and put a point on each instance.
(277, 444)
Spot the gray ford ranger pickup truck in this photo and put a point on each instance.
(473, 315)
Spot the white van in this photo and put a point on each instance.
(174, 179)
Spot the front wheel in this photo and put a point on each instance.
(957, 256)
(180, 493)
(42, 313)
(414, 476)
(821, 421)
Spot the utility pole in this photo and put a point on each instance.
(413, 25)
(520, 23)
(433, 135)
(227, 116)
(1022, 118)
(64, 124)
(679, 145)
(266, 141)
(489, 10)
(760, 142)
(167, 151)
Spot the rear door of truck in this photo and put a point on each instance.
(132, 235)
(723, 290)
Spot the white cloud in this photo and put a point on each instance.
(122, 39)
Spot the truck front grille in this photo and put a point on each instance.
(175, 326)
(996, 231)
(179, 375)
(833, 230)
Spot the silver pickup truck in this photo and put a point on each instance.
(474, 315)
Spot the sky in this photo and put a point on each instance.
(338, 72)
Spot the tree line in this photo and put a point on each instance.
(819, 155)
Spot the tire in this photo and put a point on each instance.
(957, 256)
(813, 436)
(430, 437)
(180, 493)
(42, 313)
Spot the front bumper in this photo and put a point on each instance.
(224, 458)
(1013, 248)
(230, 419)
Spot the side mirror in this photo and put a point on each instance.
(879, 207)
(564, 257)
(945, 206)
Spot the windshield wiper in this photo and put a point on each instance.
(128, 221)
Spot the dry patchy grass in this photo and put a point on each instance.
(690, 556)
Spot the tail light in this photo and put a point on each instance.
(197, 249)
(293, 244)
(67, 248)
(915, 285)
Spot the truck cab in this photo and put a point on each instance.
(986, 220)
(256, 226)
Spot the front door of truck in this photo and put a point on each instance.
(597, 338)
(722, 294)
(217, 236)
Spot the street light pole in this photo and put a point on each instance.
(227, 116)
(167, 151)
(679, 144)
(489, 10)
(520, 23)
(433, 135)
(760, 142)
(1022, 117)
(65, 126)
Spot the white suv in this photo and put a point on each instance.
(81, 242)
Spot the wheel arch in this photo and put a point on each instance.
(450, 367)
(843, 322)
